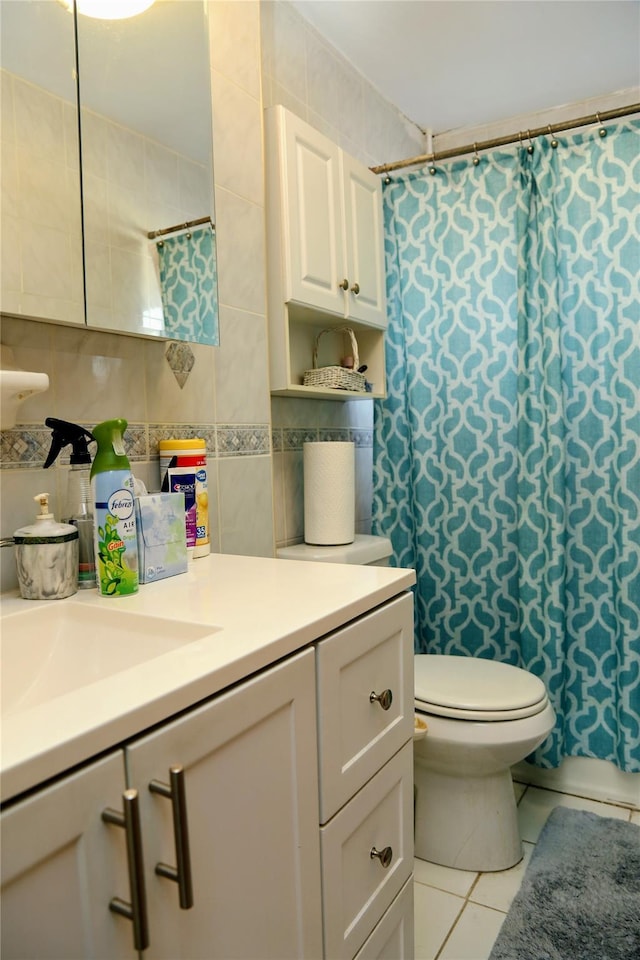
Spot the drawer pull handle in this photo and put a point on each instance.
(344, 285)
(384, 856)
(355, 289)
(385, 698)
(182, 873)
(136, 911)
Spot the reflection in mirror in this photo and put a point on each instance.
(41, 272)
(145, 116)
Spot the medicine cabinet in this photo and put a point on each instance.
(108, 141)
(325, 258)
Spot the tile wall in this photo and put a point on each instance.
(308, 76)
(255, 494)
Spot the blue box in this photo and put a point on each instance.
(162, 536)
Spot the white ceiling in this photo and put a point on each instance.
(457, 63)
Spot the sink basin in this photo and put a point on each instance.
(51, 651)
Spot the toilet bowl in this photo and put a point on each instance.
(482, 716)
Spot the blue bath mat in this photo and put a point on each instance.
(580, 896)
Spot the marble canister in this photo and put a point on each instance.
(47, 567)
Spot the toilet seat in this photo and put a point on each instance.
(472, 688)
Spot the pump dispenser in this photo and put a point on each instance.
(78, 509)
(116, 546)
(46, 556)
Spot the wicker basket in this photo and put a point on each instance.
(338, 378)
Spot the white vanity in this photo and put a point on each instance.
(257, 762)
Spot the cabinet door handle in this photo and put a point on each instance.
(385, 699)
(355, 289)
(136, 911)
(181, 874)
(344, 284)
(385, 856)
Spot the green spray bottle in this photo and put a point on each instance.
(116, 545)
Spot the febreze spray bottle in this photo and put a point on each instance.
(116, 545)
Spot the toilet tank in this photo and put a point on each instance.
(365, 550)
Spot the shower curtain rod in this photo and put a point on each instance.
(550, 128)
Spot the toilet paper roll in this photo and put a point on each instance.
(329, 493)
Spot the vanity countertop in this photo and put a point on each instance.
(259, 610)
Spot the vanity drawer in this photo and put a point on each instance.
(393, 938)
(357, 888)
(356, 734)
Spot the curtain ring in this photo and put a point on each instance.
(476, 159)
(602, 131)
(160, 243)
(387, 179)
(432, 169)
(530, 147)
(553, 141)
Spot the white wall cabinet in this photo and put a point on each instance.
(325, 252)
(275, 820)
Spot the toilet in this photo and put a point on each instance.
(482, 716)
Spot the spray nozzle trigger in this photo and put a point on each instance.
(65, 433)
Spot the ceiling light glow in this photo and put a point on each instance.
(109, 9)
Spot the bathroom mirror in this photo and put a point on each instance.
(40, 206)
(147, 168)
(146, 149)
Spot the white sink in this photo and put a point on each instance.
(53, 650)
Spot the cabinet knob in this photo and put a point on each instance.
(355, 289)
(181, 874)
(136, 911)
(385, 856)
(385, 699)
(344, 284)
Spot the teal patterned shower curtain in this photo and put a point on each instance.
(507, 452)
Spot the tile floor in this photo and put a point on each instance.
(458, 913)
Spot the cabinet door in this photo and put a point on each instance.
(364, 243)
(61, 866)
(312, 220)
(250, 778)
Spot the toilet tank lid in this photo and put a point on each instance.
(364, 549)
(474, 683)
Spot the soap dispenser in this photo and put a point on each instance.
(47, 556)
(78, 509)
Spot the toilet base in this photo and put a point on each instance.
(469, 823)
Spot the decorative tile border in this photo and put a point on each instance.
(27, 445)
(294, 438)
(182, 431)
(245, 441)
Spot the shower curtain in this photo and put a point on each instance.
(507, 452)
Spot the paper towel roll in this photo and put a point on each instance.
(329, 493)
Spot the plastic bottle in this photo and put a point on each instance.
(116, 546)
(183, 469)
(78, 508)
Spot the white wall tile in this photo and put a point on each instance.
(242, 384)
(237, 118)
(235, 42)
(246, 506)
(241, 252)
